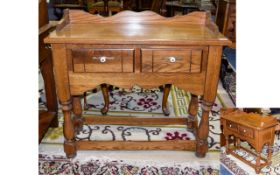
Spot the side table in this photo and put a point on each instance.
(143, 49)
(253, 128)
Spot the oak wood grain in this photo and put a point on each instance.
(81, 82)
(102, 60)
(168, 60)
(78, 120)
(129, 27)
(78, 17)
(122, 120)
(165, 107)
(137, 145)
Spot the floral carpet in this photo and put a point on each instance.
(62, 165)
(138, 103)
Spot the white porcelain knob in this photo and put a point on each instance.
(102, 59)
(172, 59)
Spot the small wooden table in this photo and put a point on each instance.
(132, 48)
(257, 130)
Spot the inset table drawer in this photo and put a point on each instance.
(245, 131)
(232, 126)
(103, 60)
(186, 60)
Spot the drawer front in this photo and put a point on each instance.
(172, 60)
(103, 60)
(245, 131)
(232, 126)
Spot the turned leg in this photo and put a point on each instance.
(105, 93)
(166, 91)
(258, 161)
(68, 130)
(63, 90)
(227, 143)
(77, 110)
(209, 95)
(203, 130)
(269, 153)
(85, 101)
(270, 146)
(192, 118)
(237, 143)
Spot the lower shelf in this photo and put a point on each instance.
(189, 145)
(263, 162)
(115, 120)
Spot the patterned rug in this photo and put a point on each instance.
(141, 103)
(62, 165)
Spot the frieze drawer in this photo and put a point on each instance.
(232, 126)
(183, 60)
(245, 131)
(103, 60)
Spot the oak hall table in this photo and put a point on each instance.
(142, 49)
(254, 128)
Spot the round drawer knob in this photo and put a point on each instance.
(172, 59)
(230, 126)
(244, 130)
(102, 59)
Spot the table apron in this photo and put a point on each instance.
(81, 82)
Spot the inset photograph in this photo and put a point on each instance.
(250, 141)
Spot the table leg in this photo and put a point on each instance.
(68, 130)
(258, 161)
(77, 110)
(237, 143)
(203, 130)
(85, 101)
(269, 153)
(63, 91)
(270, 146)
(105, 93)
(166, 91)
(192, 118)
(227, 144)
(210, 92)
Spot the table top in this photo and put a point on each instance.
(142, 27)
(252, 120)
